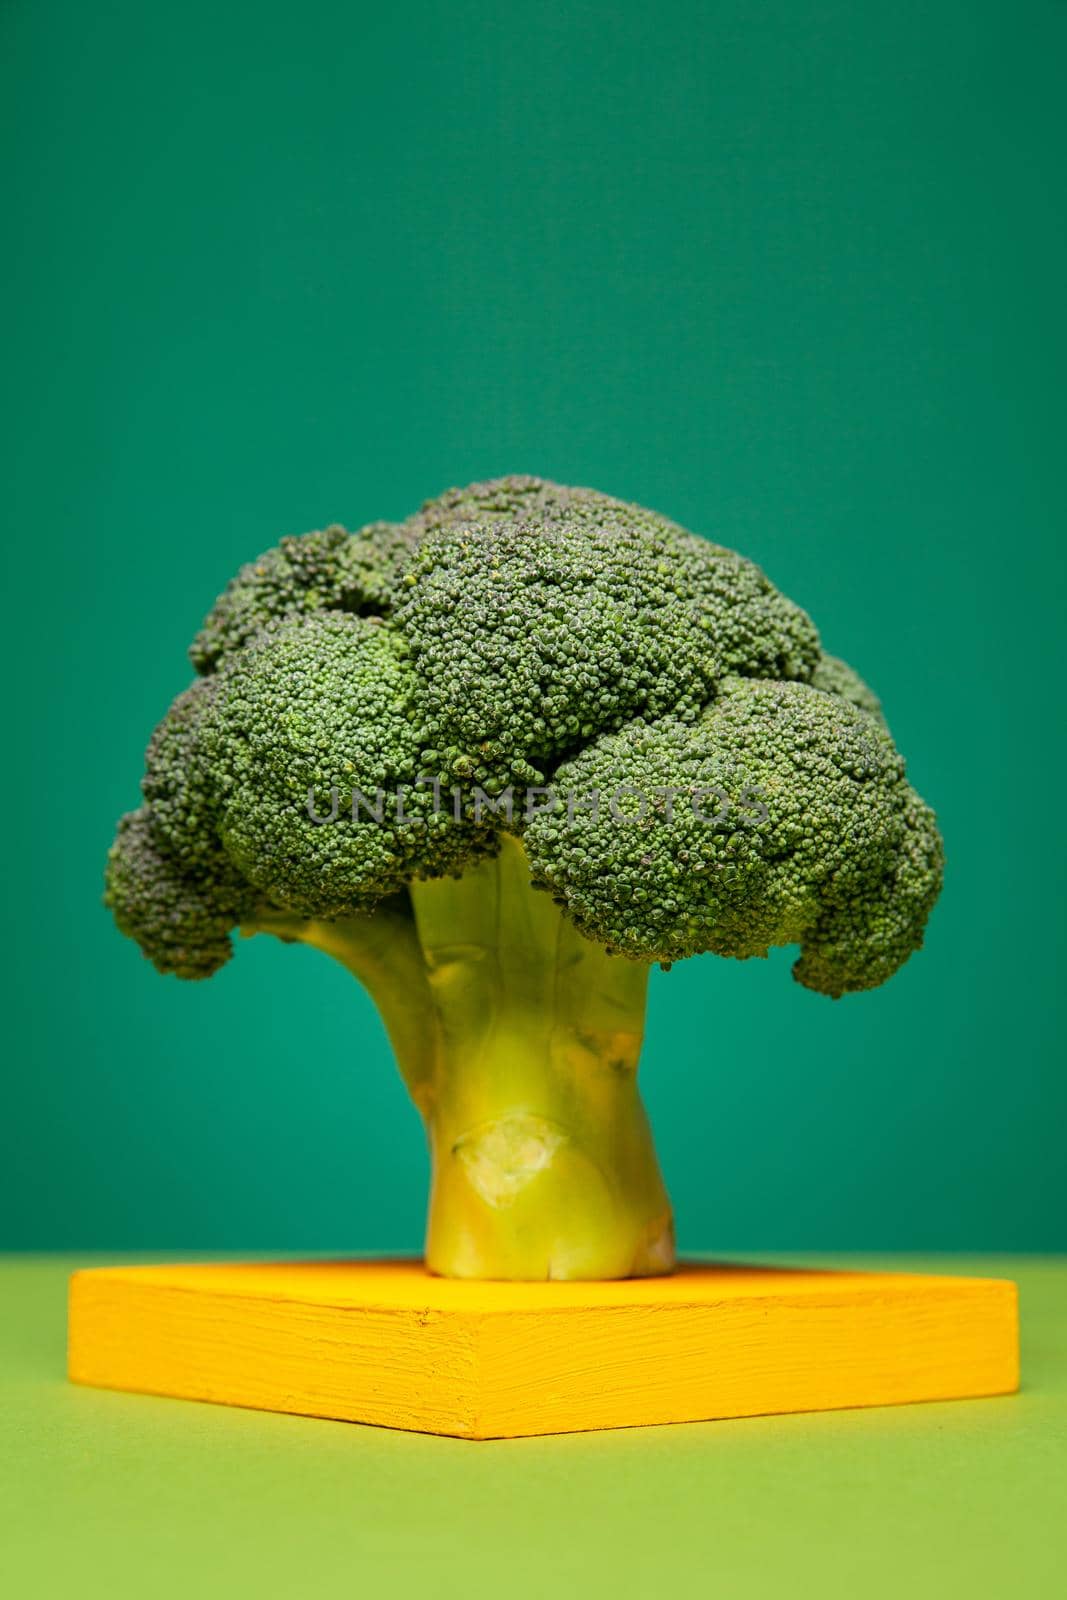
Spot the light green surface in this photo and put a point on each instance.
(121, 1495)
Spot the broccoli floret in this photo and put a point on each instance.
(780, 815)
(179, 787)
(314, 738)
(182, 919)
(170, 882)
(328, 571)
(498, 761)
(533, 636)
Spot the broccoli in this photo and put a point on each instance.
(498, 761)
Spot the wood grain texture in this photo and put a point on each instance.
(385, 1342)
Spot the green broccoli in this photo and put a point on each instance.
(498, 761)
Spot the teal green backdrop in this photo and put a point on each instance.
(791, 271)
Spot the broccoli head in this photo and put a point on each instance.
(498, 760)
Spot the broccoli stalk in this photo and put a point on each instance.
(543, 1162)
(518, 1040)
(519, 634)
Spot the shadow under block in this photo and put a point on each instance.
(384, 1342)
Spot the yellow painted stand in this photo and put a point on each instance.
(384, 1342)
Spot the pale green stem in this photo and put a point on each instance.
(519, 1041)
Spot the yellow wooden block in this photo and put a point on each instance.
(384, 1342)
